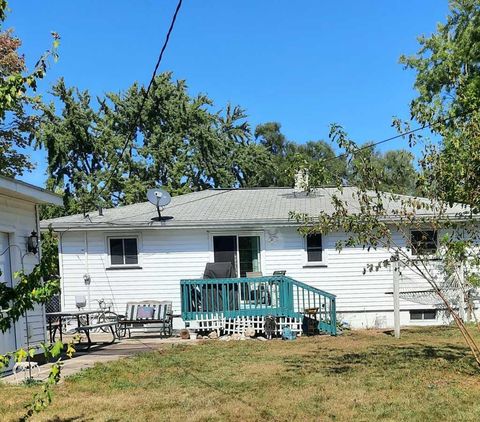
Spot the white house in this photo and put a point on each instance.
(127, 254)
(18, 219)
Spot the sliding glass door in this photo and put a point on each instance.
(225, 250)
(249, 254)
(243, 251)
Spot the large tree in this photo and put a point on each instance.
(104, 152)
(288, 157)
(448, 84)
(270, 136)
(249, 162)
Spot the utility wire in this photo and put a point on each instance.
(400, 135)
(137, 120)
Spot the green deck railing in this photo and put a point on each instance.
(281, 296)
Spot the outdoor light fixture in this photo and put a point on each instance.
(32, 243)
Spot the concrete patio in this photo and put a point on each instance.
(100, 353)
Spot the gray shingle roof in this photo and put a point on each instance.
(214, 207)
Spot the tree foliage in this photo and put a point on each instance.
(178, 142)
(16, 128)
(327, 167)
(376, 220)
(17, 122)
(395, 169)
(448, 84)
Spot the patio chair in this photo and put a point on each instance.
(140, 315)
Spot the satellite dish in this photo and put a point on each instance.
(160, 198)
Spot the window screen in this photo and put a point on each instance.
(131, 255)
(314, 247)
(423, 314)
(424, 242)
(123, 251)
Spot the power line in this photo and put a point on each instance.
(137, 120)
(400, 135)
(336, 173)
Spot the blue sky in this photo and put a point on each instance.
(304, 64)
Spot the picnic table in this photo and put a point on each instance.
(54, 320)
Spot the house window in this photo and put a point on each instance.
(314, 248)
(424, 242)
(123, 251)
(423, 315)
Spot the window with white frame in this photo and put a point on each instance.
(123, 251)
(313, 245)
(424, 242)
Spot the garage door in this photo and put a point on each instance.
(7, 340)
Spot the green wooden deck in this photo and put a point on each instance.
(280, 296)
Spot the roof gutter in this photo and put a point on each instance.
(166, 226)
(25, 191)
(238, 224)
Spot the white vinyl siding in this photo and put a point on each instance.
(356, 292)
(7, 340)
(17, 219)
(167, 256)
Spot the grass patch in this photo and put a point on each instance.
(428, 375)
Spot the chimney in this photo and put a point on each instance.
(301, 180)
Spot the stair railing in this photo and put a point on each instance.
(282, 296)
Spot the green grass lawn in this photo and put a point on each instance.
(428, 375)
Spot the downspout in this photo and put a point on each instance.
(86, 277)
(60, 269)
(39, 252)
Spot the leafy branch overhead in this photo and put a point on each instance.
(367, 217)
(448, 86)
(446, 217)
(17, 88)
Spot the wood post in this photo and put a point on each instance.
(396, 296)
(461, 293)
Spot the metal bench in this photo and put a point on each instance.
(139, 315)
